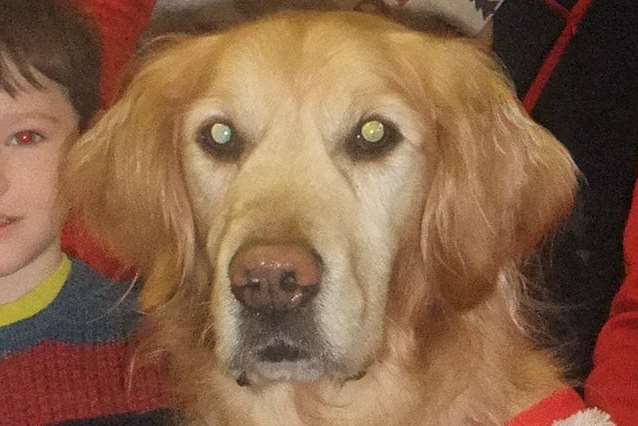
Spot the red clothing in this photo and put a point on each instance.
(31, 394)
(120, 23)
(72, 360)
(556, 407)
(613, 383)
(563, 408)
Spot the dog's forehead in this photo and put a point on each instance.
(343, 62)
(299, 52)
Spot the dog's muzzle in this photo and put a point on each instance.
(275, 284)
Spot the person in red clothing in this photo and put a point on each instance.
(613, 382)
(64, 329)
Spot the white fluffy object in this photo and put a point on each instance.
(589, 417)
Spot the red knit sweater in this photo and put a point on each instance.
(613, 383)
(71, 361)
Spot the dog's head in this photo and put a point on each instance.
(283, 167)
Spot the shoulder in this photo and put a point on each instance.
(98, 308)
(90, 292)
(89, 309)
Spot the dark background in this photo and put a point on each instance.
(591, 105)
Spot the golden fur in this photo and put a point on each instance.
(421, 244)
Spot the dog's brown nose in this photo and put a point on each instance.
(278, 277)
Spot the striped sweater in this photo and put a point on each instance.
(71, 360)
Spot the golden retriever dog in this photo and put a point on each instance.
(330, 212)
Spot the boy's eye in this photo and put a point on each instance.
(25, 137)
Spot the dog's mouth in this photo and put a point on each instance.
(287, 363)
(279, 360)
(280, 346)
(284, 361)
(280, 352)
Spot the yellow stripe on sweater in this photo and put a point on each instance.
(38, 298)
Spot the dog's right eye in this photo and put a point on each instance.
(219, 139)
(371, 138)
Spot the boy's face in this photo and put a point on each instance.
(33, 127)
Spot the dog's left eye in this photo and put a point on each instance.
(372, 131)
(372, 137)
(219, 139)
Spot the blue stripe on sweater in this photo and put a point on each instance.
(90, 309)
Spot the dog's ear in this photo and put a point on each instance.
(501, 183)
(124, 176)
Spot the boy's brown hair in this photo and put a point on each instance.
(47, 37)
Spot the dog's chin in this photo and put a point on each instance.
(265, 373)
(305, 370)
(286, 364)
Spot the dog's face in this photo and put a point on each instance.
(287, 164)
(316, 176)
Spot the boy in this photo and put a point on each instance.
(63, 328)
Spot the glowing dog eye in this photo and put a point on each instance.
(221, 133)
(219, 140)
(372, 138)
(372, 131)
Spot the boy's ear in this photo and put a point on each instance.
(123, 177)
